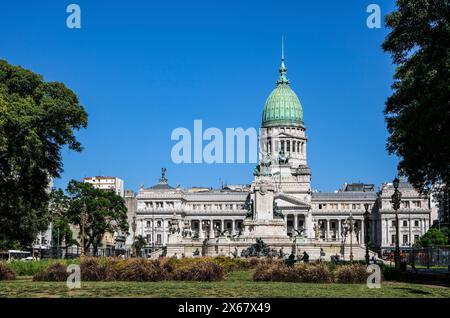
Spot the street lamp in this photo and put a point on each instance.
(350, 228)
(366, 222)
(396, 200)
(83, 221)
(133, 227)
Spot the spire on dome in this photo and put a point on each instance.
(283, 79)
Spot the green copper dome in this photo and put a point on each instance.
(282, 107)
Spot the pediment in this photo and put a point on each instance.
(291, 201)
(283, 135)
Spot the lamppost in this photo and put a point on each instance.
(366, 222)
(133, 227)
(396, 200)
(83, 221)
(350, 228)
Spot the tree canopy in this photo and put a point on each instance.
(433, 237)
(418, 112)
(105, 211)
(37, 119)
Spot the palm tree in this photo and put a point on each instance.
(139, 243)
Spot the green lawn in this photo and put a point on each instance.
(238, 284)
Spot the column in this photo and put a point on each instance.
(296, 221)
(163, 239)
(338, 224)
(308, 225)
(326, 229)
(211, 228)
(233, 227)
(362, 233)
(201, 234)
(222, 228)
(387, 231)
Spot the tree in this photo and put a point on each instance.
(433, 237)
(138, 244)
(61, 231)
(418, 112)
(105, 211)
(37, 119)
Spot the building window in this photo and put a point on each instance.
(393, 222)
(406, 204)
(393, 238)
(282, 145)
(416, 223)
(288, 145)
(148, 223)
(159, 223)
(405, 239)
(416, 237)
(405, 223)
(149, 238)
(320, 206)
(293, 146)
(158, 239)
(417, 204)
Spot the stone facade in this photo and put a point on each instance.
(279, 205)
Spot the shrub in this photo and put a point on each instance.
(56, 272)
(139, 269)
(231, 264)
(279, 272)
(6, 272)
(351, 274)
(199, 270)
(90, 270)
(389, 273)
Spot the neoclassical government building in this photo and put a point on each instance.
(312, 220)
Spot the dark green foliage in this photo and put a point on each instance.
(37, 119)
(138, 244)
(433, 237)
(105, 210)
(6, 272)
(418, 112)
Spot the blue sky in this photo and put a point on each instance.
(144, 68)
